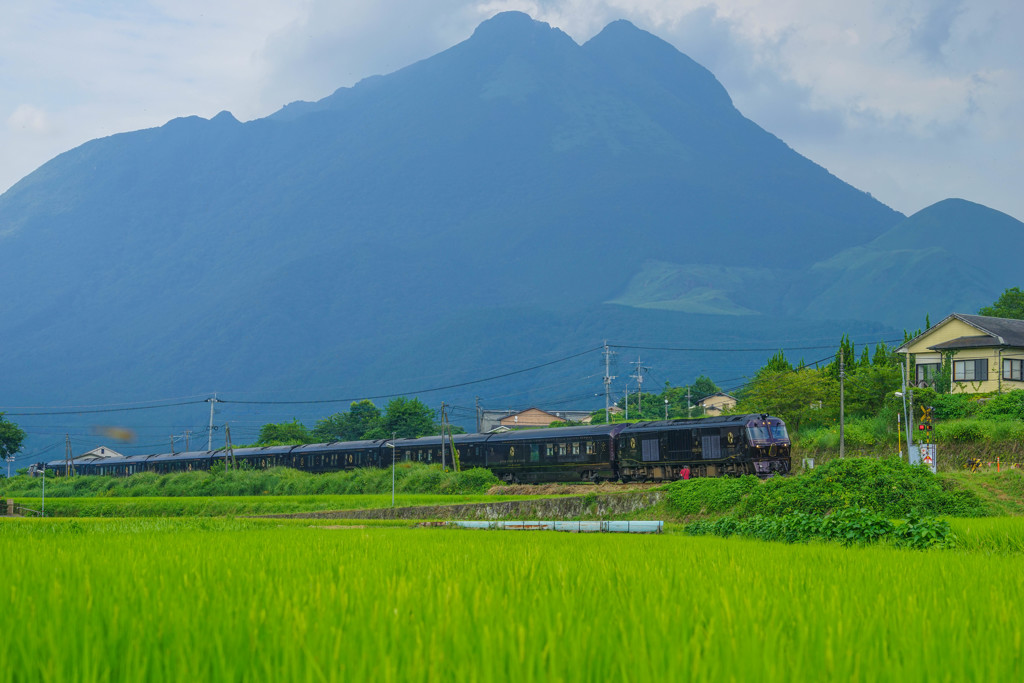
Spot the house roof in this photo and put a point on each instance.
(964, 343)
(720, 393)
(997, 332)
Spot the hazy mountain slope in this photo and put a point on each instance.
(952, 256)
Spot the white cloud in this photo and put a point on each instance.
(912, 101)
(30, 120)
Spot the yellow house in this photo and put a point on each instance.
(715, 404)
(987, 353)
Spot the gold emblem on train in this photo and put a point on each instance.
(632, 443)
(730, 438)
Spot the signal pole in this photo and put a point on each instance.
(842, 404)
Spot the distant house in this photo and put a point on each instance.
(531, 417)
(987, 353)
(716, 404)
(98, 453)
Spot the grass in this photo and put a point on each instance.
(214, 506)
(409, 478)
(214, 599)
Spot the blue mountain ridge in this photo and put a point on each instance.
(498, 202)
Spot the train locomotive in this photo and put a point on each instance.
(730, 445)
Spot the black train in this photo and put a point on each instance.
(639, 451)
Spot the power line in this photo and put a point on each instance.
(735, 350)
(108, 410)
(418, 391)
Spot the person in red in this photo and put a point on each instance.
(685, 472)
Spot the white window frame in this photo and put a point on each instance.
(1008, 369)
(960, 370)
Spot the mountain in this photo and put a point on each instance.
(515, 197)
(942, 259)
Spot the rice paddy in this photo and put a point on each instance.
(258, 600)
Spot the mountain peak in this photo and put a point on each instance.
(517, 27)
(624, 46)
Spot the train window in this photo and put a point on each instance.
(550, 449)
(650, 449)
(590, 448)
(575, 447)
(561, 449)
(534, 452)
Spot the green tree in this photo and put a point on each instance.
(284, 433)
(361, 418)
(807, 397)
(11, 437)
(407, 418)
(1010, 304)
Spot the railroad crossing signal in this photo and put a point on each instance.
(925, 425)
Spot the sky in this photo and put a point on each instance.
(912, 101)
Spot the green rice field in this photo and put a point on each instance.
(265, 600)
(216, 506)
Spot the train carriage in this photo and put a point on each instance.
(428, 449)
(340, 455)
(559, 454)
(730, 445)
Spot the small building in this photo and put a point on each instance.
(716, 404)
(531, 417)
(98, 453)
(986, 354)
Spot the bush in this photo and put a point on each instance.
(1008, 406)
(849, 526)
(887, 486)
(708, 496)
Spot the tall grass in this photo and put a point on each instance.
(220, 600)
(409, 478)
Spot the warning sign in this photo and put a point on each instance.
(928, 455)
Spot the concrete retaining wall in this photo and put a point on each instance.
(546, 508)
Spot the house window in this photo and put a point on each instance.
(926, 372)
(1012, 370)
(970, 370)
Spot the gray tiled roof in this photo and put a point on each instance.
(966, 343)
(1007, 332)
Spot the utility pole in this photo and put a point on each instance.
(627, 402)
(479, 417)
(608, 383)
(639, 377)
(9, 459)
(228, 448)
(689, 407)
(393, 436)
(444, 418)
(188, 433)
(209, 434)
(69, 460)
(172, 444)
(842, 404)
